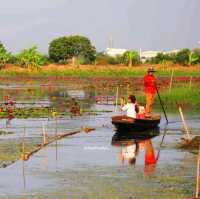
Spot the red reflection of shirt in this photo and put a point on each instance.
(149, 84)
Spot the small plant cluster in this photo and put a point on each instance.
(27, 58)
(31, 58)
(5, 57)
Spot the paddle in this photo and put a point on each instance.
(161, 103)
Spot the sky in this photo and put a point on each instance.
(132, 24)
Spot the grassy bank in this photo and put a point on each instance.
(98, 71)
(187, 97)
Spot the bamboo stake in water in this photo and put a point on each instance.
(184, 123)
(197, 178)
(56, 140)
(171, 81)
(23, 151)
(190, 85)
(127, 94)
(44, 130)
(23, 141)
(116, 102)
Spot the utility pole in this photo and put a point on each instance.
(110, 42)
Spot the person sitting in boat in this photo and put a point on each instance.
(131, 107)
(141, 113)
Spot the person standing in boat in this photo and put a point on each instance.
(131, 107)
(150, 90)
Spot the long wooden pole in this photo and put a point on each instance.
(184, 123)
(197, 177)
(161, 103)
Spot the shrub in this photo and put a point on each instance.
(31, 58)
(162, 58)
(4, 55)
(182, 57)
(103, 59)
(65, 48)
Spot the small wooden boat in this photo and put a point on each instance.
(126, 124)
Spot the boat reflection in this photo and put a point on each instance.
(132, 144)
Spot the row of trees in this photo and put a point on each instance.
(79, 50)
(184, 57)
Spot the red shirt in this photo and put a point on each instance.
(149, 84)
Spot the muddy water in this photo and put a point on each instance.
(89, 166)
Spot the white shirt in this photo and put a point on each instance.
(130, 108)
(129, 151)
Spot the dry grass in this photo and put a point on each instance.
(99, 70)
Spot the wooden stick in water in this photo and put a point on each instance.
(184, 123)
(23, 141)
(190, 85)
(197, 177)
(44, 130)
(171, 81)
(116, 102)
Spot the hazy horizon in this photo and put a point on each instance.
(133, 24)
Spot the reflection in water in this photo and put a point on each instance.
(133, 144)
(23, 174)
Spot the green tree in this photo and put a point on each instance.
(4, 55)
(183, 57)
(131, 58)
(161, 58)
(64, 48)
(31, 58)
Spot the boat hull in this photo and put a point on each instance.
(124, 124)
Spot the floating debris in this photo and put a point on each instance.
(190, 143)
(5, 133)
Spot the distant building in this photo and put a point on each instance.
(147, 55)
(172, 51)
(114, 51)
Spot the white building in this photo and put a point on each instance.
(114, 51)
(146, 55)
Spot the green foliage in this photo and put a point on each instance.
(131, 58)
(182, 57)
(193, 58)
(31, 58)
(4, 55)
(161, 58)
(65, 48)
(103, 59)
